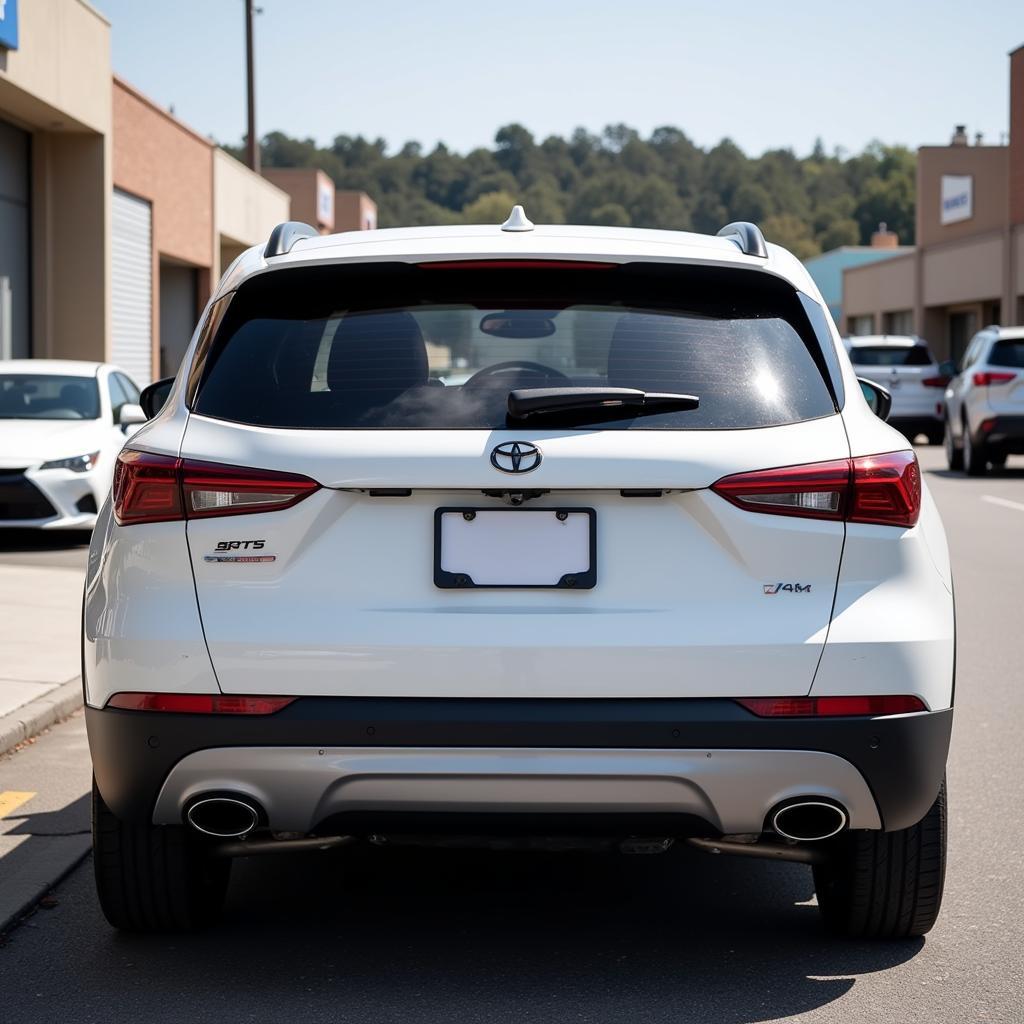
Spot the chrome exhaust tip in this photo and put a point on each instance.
(809, 821)
(223, 817)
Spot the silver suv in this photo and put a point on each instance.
(906, 368)
(985, 402)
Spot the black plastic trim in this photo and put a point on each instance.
(748, 237)
(285, 235)
(902, 757)
(460, 581)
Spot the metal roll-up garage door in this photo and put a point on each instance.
(131, 286)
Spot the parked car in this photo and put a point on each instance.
(62, 424)
(641, 576)
(906, 368)
(985, 402)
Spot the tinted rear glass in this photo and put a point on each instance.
(886, 355)
(440, 348)
(1008, 353)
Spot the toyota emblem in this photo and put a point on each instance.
(516, 457)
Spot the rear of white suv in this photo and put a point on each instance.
(985, 402)
(906, 368)
(643, 572)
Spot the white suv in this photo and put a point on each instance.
(985, 402)
(554, 532)
(906, 368)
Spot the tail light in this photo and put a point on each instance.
(982, 380)
(198, 703)
(159, 488)
(823, 707)
(935, 382)
(883, 489)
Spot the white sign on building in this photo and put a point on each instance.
(325, 202)
(957, 198)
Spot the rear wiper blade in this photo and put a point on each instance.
(613, 402)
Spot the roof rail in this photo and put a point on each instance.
(285, 235)
(747, 236)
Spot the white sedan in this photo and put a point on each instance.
(62, 424)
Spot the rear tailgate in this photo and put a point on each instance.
(397, 378)
(688, 599)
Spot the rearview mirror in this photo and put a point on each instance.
(517, 323)
(879, 400)
(129, 414)
(154, 396)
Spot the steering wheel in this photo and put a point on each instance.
(490, 376)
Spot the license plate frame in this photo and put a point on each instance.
(448, 579)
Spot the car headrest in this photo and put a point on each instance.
(296, 355)
(654, 353)
(74, 396)
(378, 356)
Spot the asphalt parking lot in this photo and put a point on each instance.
(396, 934)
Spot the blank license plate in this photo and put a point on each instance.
(537, 547)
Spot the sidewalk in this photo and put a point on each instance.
(40, 615)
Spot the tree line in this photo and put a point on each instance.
(810, 204)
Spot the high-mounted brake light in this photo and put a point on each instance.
(983, 380)
(159, 488)
(198, 703)
(824, 707)
(515, 265)
(883, 489)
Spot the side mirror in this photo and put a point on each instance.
(947, 368)
(129, 414)
(878, 399)
(154, 396)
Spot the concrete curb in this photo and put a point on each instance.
(32, 718)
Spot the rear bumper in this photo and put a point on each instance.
(911, 425)
(49, 499)
(1006, 434)
(709, 759)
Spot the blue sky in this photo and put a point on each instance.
(766, 74)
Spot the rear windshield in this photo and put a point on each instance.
(1008, 353)
(47, 396)
(887, 355)
(441, 347)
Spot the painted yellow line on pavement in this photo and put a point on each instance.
(11, 800)
(1004, 502)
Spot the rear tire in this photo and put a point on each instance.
(886, 885)
(975, 459)
(153, 878)
(954, 455)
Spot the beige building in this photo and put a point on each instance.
(967, 268)
(315, 200)
(116, 218)
(55, 181)
(182, 210)
(354, 211)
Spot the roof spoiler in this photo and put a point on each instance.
(746, 235)
(285, 235)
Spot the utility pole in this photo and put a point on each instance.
(252, 145)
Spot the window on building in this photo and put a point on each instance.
(860, 325)
(899, 322)
(14, 243)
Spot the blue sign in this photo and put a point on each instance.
(9, 24)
